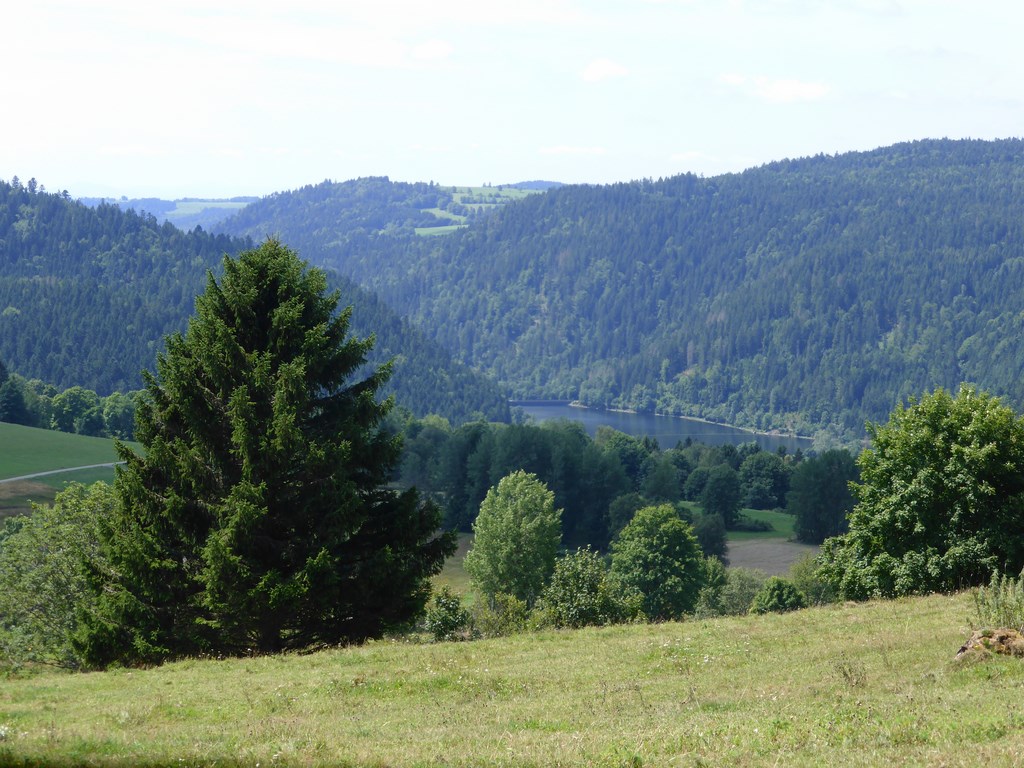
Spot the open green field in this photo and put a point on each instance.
(443, 230)
(185, 208)
(781, 523)
(26, 451)
(453, 575)
(857, 684)
(482, 198)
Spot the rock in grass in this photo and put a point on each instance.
(985, 642)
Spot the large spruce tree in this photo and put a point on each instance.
(258, 518)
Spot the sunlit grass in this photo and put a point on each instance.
(870, 684)
(25, 450)
(781, 523)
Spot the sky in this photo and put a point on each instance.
(217, 98)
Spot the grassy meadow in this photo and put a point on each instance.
(470, 196)
(857, 684)
(185, 208)
(25, 451)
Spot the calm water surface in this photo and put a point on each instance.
(668, 430)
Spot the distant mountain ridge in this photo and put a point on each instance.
(184, 213)
(804, 295)
(88, 294)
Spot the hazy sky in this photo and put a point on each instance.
(221, 98)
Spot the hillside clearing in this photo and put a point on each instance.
(25, 450)
(864, 684)
(773, 556)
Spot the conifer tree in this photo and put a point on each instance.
(258, 517)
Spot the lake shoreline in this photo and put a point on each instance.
(628, 411)
(771, 433)
(667, 428)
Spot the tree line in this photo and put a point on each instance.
(599, 482)
(33, 403)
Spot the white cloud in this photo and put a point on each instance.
(789, 91)
(603, 69)
(432, 50)
(132, 150)
(564, 149)
(779, 91)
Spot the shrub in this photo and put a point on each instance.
(709, 601)
(1000, 605)
(741, 586)
(658, 556)
(778, 595)
(806, 576)
(503, 615)
(580, 594)
(446, 618)
(43, 588)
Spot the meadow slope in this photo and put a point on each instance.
(861, 684)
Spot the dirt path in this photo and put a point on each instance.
(773, 556)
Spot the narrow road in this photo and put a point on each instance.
(57, 472)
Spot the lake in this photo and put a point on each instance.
(667, 430)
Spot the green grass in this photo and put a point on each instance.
(506, 194)
(25, 450)
(858, 685)
(453, 575)
(185, 208)
(782, 525)
(443, 230)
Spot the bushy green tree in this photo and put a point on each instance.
(258, 518)
(764, 480)
(657, 555)
(580, 593)
(778, 595)
(516, 539)
(13, 409)
(78, 410)
(622, 509)
(820, 497)
(710, 533)
(695, 483)
(662, 480)
(940, 505)
(119, 415)
(446, 618)
(722, 494)
(43, 589)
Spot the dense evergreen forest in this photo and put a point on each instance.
(88, 294)
(805, 294)
(600, 482)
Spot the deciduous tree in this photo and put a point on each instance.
(517, 535)
(658, 556)
(940, 505)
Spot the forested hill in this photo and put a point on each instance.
(87, 295)
(801, 294)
